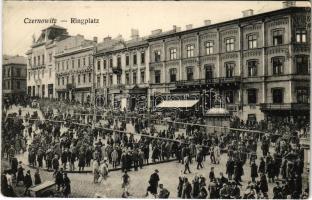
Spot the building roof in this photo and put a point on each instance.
(54, 26)
(13, 60)
(229, 22)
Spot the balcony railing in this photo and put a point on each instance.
(209, 81)
(285, 106)
(117, 70)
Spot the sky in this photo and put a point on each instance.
(117, 17)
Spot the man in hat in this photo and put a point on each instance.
(28, 183)
(153, 181)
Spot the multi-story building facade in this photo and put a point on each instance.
(14, 77)
(122, 73)
(257, 65)
(41, 64)
(74, 69)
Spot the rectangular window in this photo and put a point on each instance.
(98, 81)
(67, 64)
(303, 95)
(73, 64)
(173, 75)
(252, 41)
(278, 95)
(28, 75)
(127, 60)
(104, 80)
(104, 64)
(252, 96)
(98, 65)
(90, 78)
(50, 72)
(78, 62)
(209, 47)
(157, 76)
(229, 96)
(278, 37)
(229, 70)
(229, 43)
(119, 61)
(67, 80)
(84, 61)
(278, 65)
(142, 57)
(134, 59)
(118, 79)
(63, 81)
(18, 72)
(302, 64)
(84, 78)
(58, 81)
(18, 85)
(252, 68)
(35, 61)
(189, 73)
(142, 76)
(110, 62)
(111, 79)
(301, 36)
(43, 59)
(173, 53)
(157, 56)
(79, 79)
(50, 57)
(209, 72)
(39, 60)
(134, 77)
(190, 51)
(73, 79)
(127, 79)
(63, 67)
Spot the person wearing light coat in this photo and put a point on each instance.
(217, 154)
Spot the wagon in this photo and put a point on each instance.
(45, 189)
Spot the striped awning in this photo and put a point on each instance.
(177, 104)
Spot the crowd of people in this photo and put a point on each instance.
(62, 142)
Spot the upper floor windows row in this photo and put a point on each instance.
(37, 60)
(119, 61)
(80, 62)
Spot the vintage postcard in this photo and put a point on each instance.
(163, 99)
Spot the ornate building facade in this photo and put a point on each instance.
(41, 64)
(256, 66)
(74, 69)
(122, 73)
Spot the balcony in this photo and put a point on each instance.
(70, 86)
(285, 106)
(117, 70)
(211, 81)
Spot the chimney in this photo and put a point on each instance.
(247, 13)
(157, 31)
(189, 26)
(108, 38)
(134, 34)
(287, 4)
(95, 39)
(207, 22)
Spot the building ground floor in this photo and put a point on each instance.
(250, 102)
(79, 95)
(41, 91)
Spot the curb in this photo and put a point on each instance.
(110, 170)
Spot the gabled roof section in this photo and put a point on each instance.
(13, 60)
